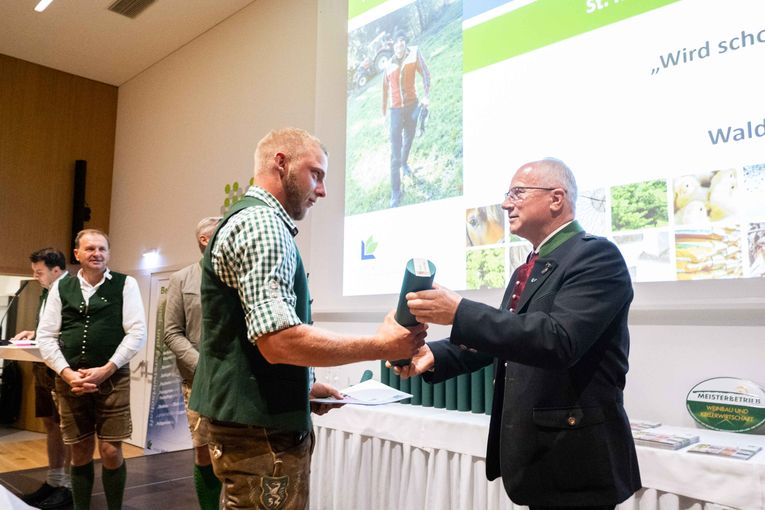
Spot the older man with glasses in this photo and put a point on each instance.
(559, 435)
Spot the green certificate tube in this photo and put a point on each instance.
(416, 390)
(405, 385)
(463, 392)
(394, 381)
(451, 393)
(418, 275)
(384, 374)
(439, 395)
(476, 391)
(427, 394)
(488, 388)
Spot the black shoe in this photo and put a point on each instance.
(40, 494)
(61, 496)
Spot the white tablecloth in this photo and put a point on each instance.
(410, 457)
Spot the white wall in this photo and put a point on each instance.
(188, 125)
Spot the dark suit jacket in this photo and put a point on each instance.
(559, 435)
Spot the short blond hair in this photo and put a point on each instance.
(293, 142)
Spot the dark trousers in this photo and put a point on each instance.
(403, 122)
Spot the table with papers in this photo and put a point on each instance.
(411, 457)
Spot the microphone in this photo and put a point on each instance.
(23, 286)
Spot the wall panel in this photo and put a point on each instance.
(48, 119)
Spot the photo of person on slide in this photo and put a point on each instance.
(409, 62)
(406, 108)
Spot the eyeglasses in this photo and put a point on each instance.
(516, 193)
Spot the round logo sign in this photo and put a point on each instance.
(727, 403)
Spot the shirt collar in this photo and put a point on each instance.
(552, 234)
(558, 237)
(83, 281)
(256, 191)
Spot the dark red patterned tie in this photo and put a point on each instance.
(523, 275)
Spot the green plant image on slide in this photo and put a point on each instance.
(639, 205)
(436, 154)
(485, 269)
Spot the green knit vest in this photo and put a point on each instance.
(233, 381)
(91, 332)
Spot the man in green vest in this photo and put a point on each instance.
(253, 381)
(48, 267)
(91, 328)
(183, 328)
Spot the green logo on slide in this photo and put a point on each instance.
(368, 248)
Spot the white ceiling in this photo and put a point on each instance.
(83, 37)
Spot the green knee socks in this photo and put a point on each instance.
(208, 487)
(114, 485)
(82, 485)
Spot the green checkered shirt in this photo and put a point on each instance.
(255, 253)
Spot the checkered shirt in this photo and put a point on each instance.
(255, 253)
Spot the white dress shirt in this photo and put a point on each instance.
(133, 323)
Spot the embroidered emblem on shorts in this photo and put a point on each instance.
(274, 493)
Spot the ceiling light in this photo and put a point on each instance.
(42, 5)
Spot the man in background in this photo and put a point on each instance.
(559, 436)
(183, 324)
(253, 380)
(399, 89)
(91, 328)
(48, 267)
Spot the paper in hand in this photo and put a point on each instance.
(368, 393)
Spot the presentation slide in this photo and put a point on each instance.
(656, 105)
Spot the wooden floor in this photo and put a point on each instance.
(22, 455)
(163, 480)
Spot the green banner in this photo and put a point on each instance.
(542, 23)
(356, 7)
(731, 418)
